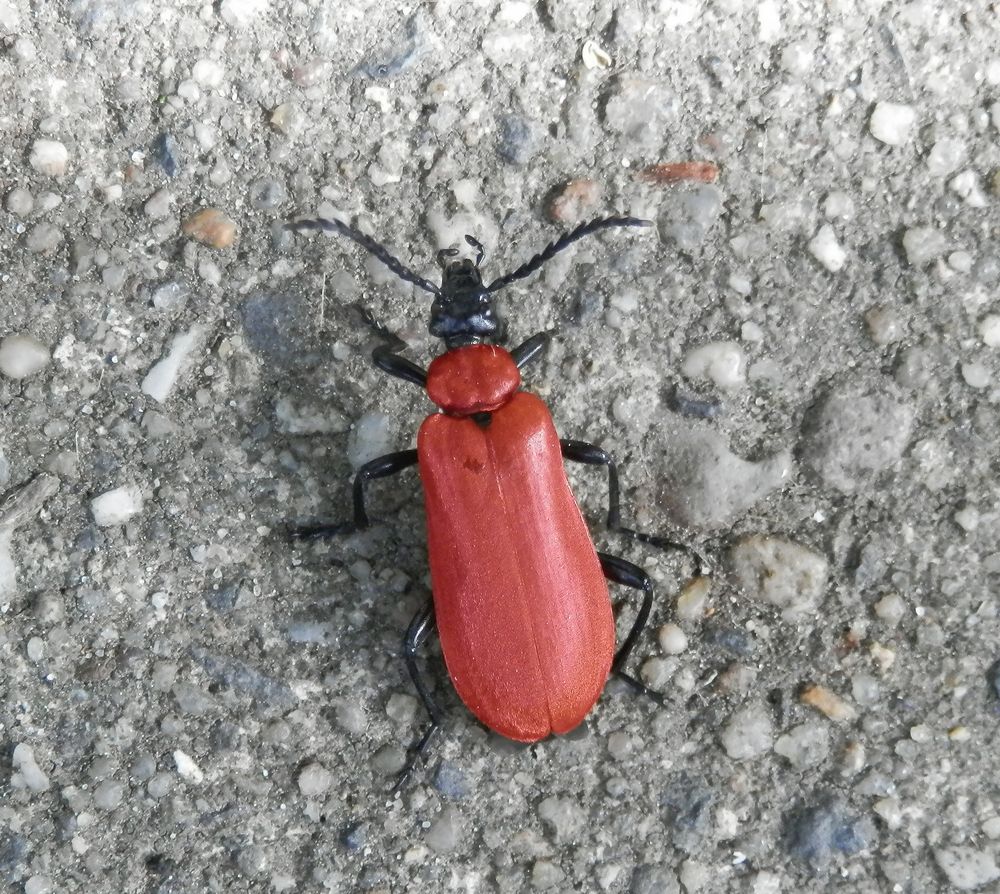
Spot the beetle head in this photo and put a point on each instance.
(463, 312)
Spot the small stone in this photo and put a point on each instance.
(268, 194)
(884, 325)
(31, 775)
(825, 249)
(891, 123)
(287, 118)
(851, 435)
(989, 330)
(804, 746)
(210, 227)
(967, 518)
(890, 609)
(563, 816)
(693, 599)
(167, 154)
(22, 356)
(315, 780)
(960, 734)
(882, 656)
(19, 201)
(187, 767)
(946, 156)
(829, 703)
(923, 245)
(976, 374)
(445, 831)
(694, 875)
(518, 141)
(814, 833)
(115, 507)
(722, 362)
(748, 733)
(163, 375)
(450, 781)
(575, 201)
(852, 759)
(780, 572)
(108, 795)
(991, 827)
(966, 867)
(208, 73)
(545, 874)
(687, 215)
(157, 206)
(401, 707)
(43, 238)
(838, 206)
(38, 884)
(672, 639)
(48, 157)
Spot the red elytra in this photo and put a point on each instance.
(520, 600)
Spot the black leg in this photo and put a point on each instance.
(395, 365)
(532, 349)
(621, 571)
(420, 628)
(592, 455)
(380, 467)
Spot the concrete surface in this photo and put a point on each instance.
(797, 369)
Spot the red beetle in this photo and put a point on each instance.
(520, 598)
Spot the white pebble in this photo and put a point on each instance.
(966, 186)
(884, 325)
(673, 640)
(748, 733)
(22, 356)
(693, 599)
(370, 437)
(989, 330)
(780, 572)
(31, 774)
(49, 157)
(314, 780)
(890, 609)
(923, 244)
(890, 811)
(966, 867)
(720, 361)
(162, 376)
(967, 518)
(960, 261)
(946, 156)
(208, 73)
(838, 206)
(891, 123)
(825, 249)
(19, 201)
(115, 507)
(976, 374)
(797, 58)
(187, 767)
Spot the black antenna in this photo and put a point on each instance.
(370, 245)
(564, 241)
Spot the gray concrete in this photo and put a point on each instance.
(797, 368)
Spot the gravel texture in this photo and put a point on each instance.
(797, 368)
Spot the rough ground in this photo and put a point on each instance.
(797, 369)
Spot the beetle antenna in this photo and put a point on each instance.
(367, 243)
(478, 246)
(564, 241)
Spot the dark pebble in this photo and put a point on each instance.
(166, 153)
(223, 599)
(14, 852)
(736, 642)
(993, 676)
(354, 836)
(649, 879)
(277, 326)
(450, 781)
(517, 140)
(699, 408)
(399, 56)
(235, 674)
(814, 834)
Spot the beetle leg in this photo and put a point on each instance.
(621, 571)
(592, 455)
(532, 349)
(395, 365)
(380, 467)
(420, 628)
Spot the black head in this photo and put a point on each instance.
(463, 312)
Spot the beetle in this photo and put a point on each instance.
(519, 592)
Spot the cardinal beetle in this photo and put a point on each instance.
(520, 598)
